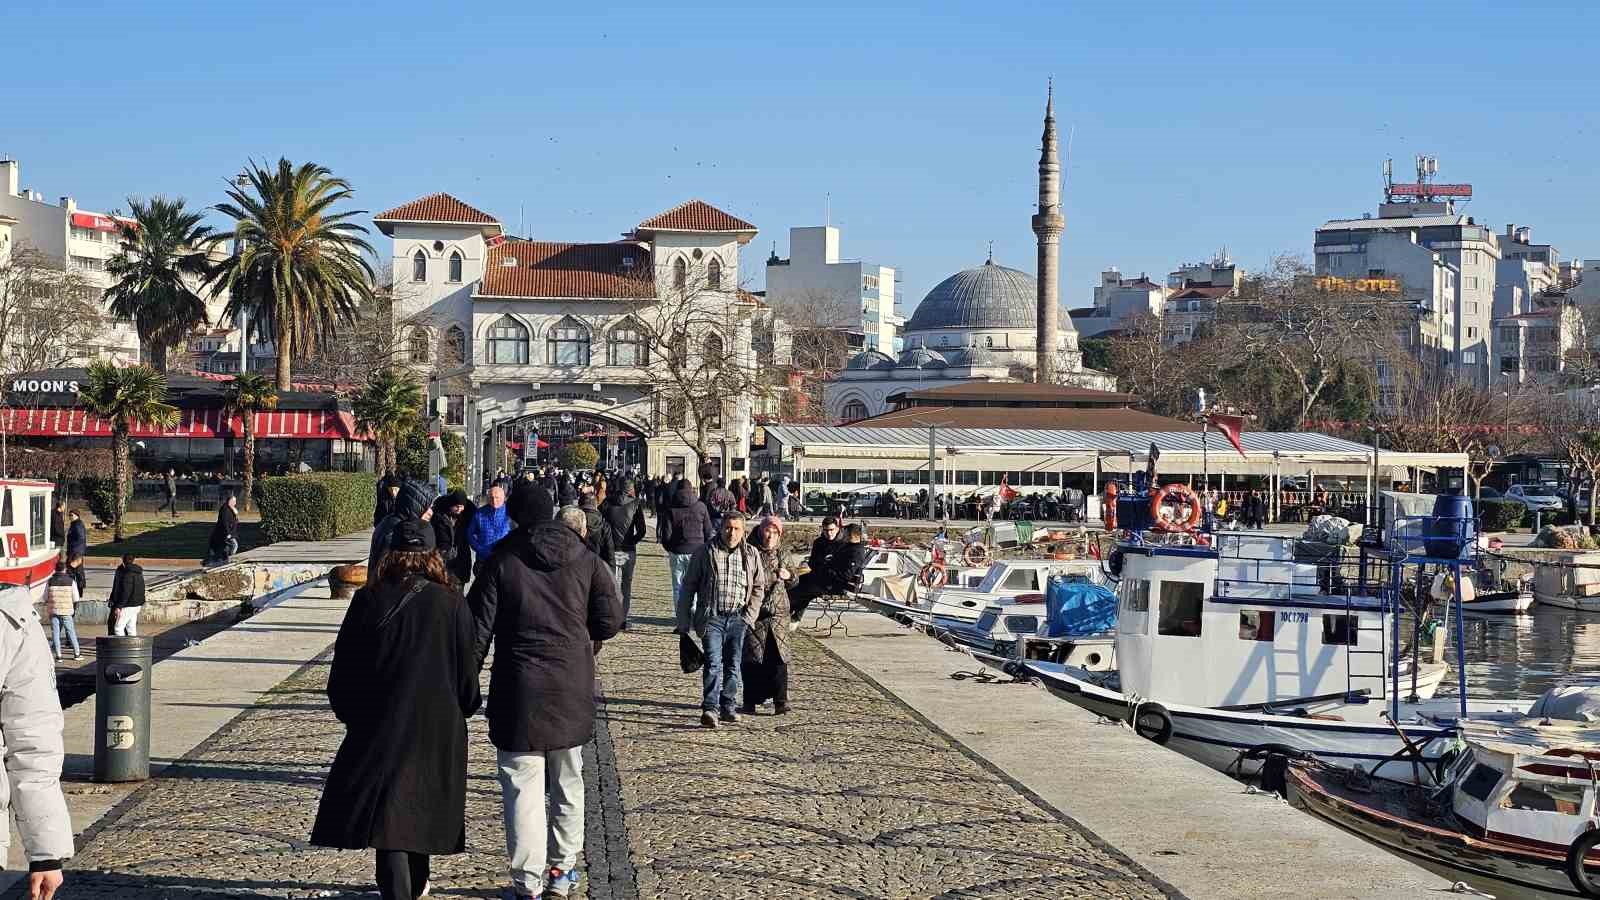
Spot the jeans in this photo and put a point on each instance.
(56, 624)
(679, 564)
(401, 874)
(125, 621)
(541, 796)
(624, 576)
(724, 648)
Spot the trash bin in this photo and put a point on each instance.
(122, 708)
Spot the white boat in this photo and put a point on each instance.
(1572, 582)
(1005, 578)
(1517, 807)
(30, 557)
(1499, 603)
(1236, 647)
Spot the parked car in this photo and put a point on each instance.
(1537, 498)
(1489, 493)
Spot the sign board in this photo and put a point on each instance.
(1423, 189)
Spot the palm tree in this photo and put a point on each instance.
(299, 271)
(162, 249)
(136, 395)
(388, 407)
(250, 393)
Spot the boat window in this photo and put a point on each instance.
(1021, 580)
(1022, 624)
(36, 519)
(1180, 608)
(1135, 595)
(991, 578)
(6, 515)
(1481, 782)
(1339, 630)
(1255, 625)
(1566, 799)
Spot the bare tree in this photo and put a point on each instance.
(1146, 367)
(1437, 412)
(1572, 430)
(814, 334)
(47, 313)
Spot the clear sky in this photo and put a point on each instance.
(1194, 128)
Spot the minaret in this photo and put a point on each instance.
(1047, 227)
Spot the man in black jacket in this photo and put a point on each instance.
(546, 603)
(224, 541)
(624, 519)
(413, 501)
(77, 535)
(450, 534)
(683, 528)
(127, 598)
(597, 537)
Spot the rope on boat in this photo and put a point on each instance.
(1461, 887)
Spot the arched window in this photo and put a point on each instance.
(677, 412)
(679, 352)
(715, 355)
(680, 273)
(626, 346)
(453, 352)
(854, 410)
(419, 266)
(455, 265)
(418, 345)
(508, 342)
(567, 344)
(714, 275)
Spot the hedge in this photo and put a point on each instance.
(317, 506)
(100, 493)
(1502, 515)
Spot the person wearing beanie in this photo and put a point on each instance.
(413, 502)
(403, 683)
(545, 603)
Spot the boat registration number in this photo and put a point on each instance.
(1295, 616)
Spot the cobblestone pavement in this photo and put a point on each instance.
(849, 796)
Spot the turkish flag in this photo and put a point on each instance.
(1007, 492)
(1230, 426)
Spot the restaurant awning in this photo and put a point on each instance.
(71, 421)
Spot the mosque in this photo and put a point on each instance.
(989, 323)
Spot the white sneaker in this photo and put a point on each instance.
(427, 888)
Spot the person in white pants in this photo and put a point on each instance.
(542, 801)
(127, 598)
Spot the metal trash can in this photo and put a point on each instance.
(122, 708)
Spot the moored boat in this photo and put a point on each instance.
(30, 556)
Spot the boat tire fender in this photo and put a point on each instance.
(1152, 721)
(1587, 884)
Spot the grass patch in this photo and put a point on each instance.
(170, 540)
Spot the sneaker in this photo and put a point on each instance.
(559, 883)
(747, 710)
(707, 720)
(77, 656)
(427, 889)
(730, 716)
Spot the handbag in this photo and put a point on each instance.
(690, 657)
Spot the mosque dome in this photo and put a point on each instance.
(920, 358)
(973, 356)
(869, 360)
(988, 296)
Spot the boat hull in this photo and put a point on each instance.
(1501, 603)
(1450, 850)
(31, 572)
(1567, 601)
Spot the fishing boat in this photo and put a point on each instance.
(1517, 806)
(30, 557)
(1004, 578)
(1232, 644)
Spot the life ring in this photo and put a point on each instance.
(933, 575)
(1152, 721)
(975, 554)
(1183, 493)
(1109, 509)
(1577, 855)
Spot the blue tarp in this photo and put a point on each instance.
(1078, 608)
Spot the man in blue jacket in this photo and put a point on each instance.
(489, 525)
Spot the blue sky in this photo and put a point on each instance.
(1196, 126)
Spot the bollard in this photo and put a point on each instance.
(122, 708)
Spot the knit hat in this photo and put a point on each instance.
(411, 535)
(773, 522)
(531, 504)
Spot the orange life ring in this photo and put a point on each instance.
(1108, 512)
(1183, 493)
(933, 575)
(975, 554)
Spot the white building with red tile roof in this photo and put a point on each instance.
(515, 330)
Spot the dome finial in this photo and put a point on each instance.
(990, 260)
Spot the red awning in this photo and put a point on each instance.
(192, 423)
(94, 222)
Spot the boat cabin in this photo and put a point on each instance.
(1533, 782)
(1242, 623)
(29, 554)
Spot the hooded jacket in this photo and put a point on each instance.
(488, 526)
(127, 587)
(450, 534)
(30, 734)
(624, 516)
(598, 537)
(686, 527)
(542, 599)
(412, 501)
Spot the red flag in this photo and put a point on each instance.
(1007, 492)
(1230, 426)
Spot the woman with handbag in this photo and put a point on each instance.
(404, 681)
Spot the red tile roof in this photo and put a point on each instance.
(1200, 292)
(548, 269)
(440, 207)
(696, 215)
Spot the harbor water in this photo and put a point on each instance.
(1520, 656)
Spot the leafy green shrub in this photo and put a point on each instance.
(1502, 515)
(411, 451)
(100, 492)
(579, 456)
(455, 460)
(317, 506)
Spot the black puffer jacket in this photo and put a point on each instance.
(687, 526)
(542, 598)
(450, 534)
(625, 517)
(598, 537)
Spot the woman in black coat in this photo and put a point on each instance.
(403, 682)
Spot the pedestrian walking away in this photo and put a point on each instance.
(624, 517)
(765, 670)
(403, 683)
(545, 603)
(30, 727)
(683, 528)
(127, 598)
(62, 596)
(722, 592)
